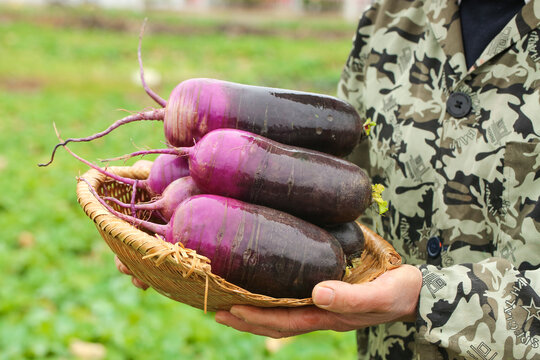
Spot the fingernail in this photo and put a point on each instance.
(323, 296)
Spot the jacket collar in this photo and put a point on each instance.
(443, 16)
(526, 20)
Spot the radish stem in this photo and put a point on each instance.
(149, 91)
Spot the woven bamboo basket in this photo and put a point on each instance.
(180, 273)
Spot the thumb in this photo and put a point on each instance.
(340, 297)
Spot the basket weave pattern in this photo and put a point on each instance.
(180, 273)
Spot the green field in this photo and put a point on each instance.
(58, 282)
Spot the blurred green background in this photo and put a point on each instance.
(61, 296)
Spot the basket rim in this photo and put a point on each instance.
(174, 256)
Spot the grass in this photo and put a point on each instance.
(74, 67)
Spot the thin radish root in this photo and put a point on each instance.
(174, 151)
(154, 115)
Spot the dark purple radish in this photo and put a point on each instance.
(262, 250)
(350, 237)
(165, 170)
(198, 106)
(177, 191)
(318, 187)
(193, 108)
(308, 120)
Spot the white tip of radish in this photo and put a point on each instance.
(152, 77)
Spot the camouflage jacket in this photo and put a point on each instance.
(458, 151)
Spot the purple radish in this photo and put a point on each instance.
(351, 238)
(177, 191)
(317, 187)
(262, 250)
(198, 106)
(165, 170)
(308, 120)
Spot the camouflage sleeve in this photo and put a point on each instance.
(486, 310)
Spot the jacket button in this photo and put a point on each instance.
(459, 104)
(434, 246)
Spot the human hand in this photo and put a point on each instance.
(339, 306)
(124, 270)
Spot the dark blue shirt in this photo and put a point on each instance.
(481, 20)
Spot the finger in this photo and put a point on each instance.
(121, 267)
(285, 320)
(138, 283)
(386, 294)
(228, 319)
(342, 297)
